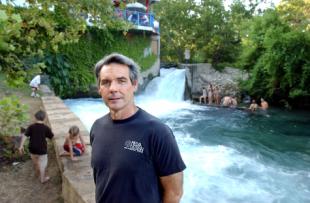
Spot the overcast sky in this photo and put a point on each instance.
(227, 2)
(266, 4)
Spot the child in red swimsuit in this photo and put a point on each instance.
(74, 144)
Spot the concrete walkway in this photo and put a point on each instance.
(77, 180)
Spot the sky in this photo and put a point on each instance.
(266, 4)
(227, 2)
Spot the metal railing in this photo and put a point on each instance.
(138, 18)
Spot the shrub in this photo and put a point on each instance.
(13, 114)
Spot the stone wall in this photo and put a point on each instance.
(200, 75)
(77, 180)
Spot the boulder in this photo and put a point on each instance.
(200, 75)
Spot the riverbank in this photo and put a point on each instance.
(18, 183)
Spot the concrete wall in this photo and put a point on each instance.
(77, 180)
(155, 44)
(146, 76)
(153, 71)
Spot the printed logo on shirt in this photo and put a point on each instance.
(134, 146)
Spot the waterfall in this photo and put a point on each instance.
(231, 155)
(164, 95)
(169, 86)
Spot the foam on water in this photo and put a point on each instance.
(160, 87)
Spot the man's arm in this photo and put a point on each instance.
(172, 187)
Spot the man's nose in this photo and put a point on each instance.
(114, 86)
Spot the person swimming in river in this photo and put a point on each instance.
(230, 101)
(254, 106)
(263, 104)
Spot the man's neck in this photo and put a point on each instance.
(123, 114)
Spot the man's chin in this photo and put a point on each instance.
(114, 106)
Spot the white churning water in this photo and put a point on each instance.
(223, 163)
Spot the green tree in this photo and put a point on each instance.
(42, 27)
(10, 29)
(296, 13)
(204, 28)
(215, 36)
(276, 54)
(178, 20)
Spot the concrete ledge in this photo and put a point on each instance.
(77, 179)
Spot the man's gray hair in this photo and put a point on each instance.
(119, 59)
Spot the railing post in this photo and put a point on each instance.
(152, 20)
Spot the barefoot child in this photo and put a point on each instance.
(38, 132)
(74, 143)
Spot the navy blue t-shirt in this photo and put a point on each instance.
(129, 156)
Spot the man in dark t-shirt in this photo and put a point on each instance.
(135, 157)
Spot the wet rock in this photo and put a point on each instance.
(200, 75)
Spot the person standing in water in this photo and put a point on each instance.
(210, 94)
(263, 104)
(203, 96)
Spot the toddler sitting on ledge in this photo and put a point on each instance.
(74, 144)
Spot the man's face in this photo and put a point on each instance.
(115, 87)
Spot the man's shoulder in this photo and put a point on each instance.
(153, 122)
(101, 120)
(149, 118)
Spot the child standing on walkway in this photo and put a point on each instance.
(38, 132)
(35, 84)
(74, 144)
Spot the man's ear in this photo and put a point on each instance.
(98, 90)
(135, 84)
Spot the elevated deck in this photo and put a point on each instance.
(141, 20)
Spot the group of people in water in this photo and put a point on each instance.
(263, 105)
(211, 95)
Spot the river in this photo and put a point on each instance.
(231, 155)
